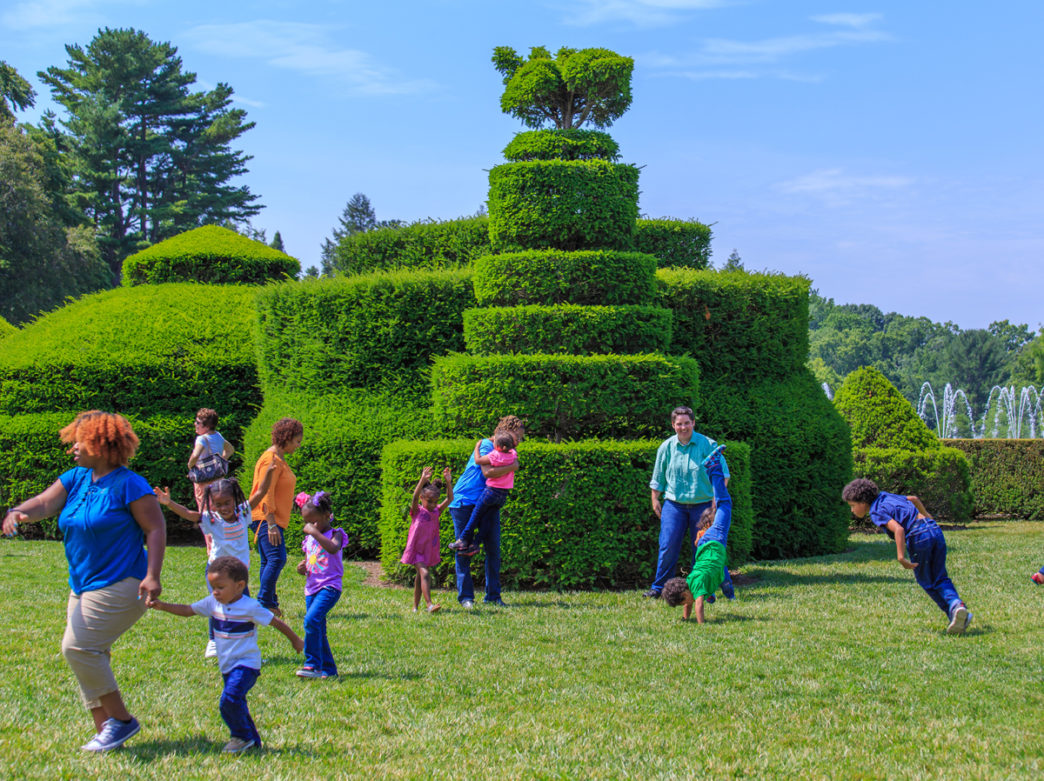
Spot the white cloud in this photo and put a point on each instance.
(771, 50)
(304, 48)
(837, 188)
(642, 13)
(848, 20)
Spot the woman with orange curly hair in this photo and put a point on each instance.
(108, 516)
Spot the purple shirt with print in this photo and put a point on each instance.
(325, 570)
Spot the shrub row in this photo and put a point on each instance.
(741, 328)
(209, 254)
(366, 331)
(565, 328)
(579, 516)
(571, 144)
(561, 396)
(1007, 475)
(556, 277)
(154, 350)
(430, 244)
(6, 329)
(562, 204)
(940, 477)
(674, 242)
(879, 415)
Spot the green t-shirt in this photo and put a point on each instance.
(708, 571)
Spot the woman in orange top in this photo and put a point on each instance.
(272, 514)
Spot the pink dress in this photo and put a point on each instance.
(422, 544)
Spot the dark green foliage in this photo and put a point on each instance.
(562, 204)
(555, 277)
(1007, 475)
(741, 328)
(14, 90)
(6, 329)
(367, 331)
(154, 350)
(566, 328)
(578, 517)
(879, 416)
(801, 458)
(939, 477)
(340, 453)
(561, 396)
(431, 244)
(562, 145)
(674, 242)
(209, 254)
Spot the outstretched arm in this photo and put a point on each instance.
(43, 505)
(425, 478)
(170, 607)
(163, 494)
(291, 635)
(447, 477)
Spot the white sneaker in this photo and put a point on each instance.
(467, 604)
(211, 651)
(238, 746)
(959, 621)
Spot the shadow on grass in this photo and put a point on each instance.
(772, 578)
(151, 750)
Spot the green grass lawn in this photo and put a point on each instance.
(828, 667)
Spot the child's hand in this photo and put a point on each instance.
(907, 563)
(151, 601)
(309, 528)
(298, 644)
(302, 567)
(447, 476)
(163, 494)
(426, 473)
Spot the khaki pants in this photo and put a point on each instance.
(94, 620)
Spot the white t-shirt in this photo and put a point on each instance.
(212, 443)
(229, 539)
(235, 630)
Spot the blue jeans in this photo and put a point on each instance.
(927, 549)
(273, 559)
(234, 710)
(719, 530)
(491, 500)
(489, 536)
(675, 520)
(316, 646)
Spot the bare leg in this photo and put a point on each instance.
(424, 579)
(417, 586)
(111, 707)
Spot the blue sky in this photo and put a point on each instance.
(890, 151)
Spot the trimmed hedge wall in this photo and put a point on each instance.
(562, 204)
(153, 350)
(741, 328)
(579, 516)
(879, 415)
(6, 329)
(940, 477)
(1007, 475)
(449, 244)
(555, 277)
(801, 458)
(571, 144)
(210, 254)
(675, 242)
(579, 330)
(561, 396)
(368, 331)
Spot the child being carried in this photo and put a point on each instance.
(495, 494)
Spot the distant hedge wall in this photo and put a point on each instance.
(940, 478)
(370, 331)
(571, 144)
(674, 242)
(449, 244)
(741, 328)
(879, 415)
(578, 330)
(1007, 475)
(560, 396)
(578, 517)
(153, 350)
(6, 329)
(562, 204)
(209, 254)
(554, 277)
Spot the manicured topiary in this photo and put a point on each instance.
(578, 517)
(209, 254)
(562, 145)
(879, 415)
(429, 244)
(565, 328)
(1007, 475)
(674, 242)
(940, 477)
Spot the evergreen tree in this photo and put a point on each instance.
(733, 262)
(277, 242)
(14, 90)
(358, 217)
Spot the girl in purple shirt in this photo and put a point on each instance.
(322, 546)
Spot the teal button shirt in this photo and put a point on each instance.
(678, 473)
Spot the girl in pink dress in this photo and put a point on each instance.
(422, 544)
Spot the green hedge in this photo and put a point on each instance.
(6, 329)
(879, 415)
(560, 396)
(340, 453)
(571, 144)
(448, 244)
(940, 477)
(563, 204)
(578, 517)
(675, 242)
(555, 277)
(1007, 475)
(801, 458)
(565, 328)
(740, 327)
(153, 350)
(367, 331)
(209, 254)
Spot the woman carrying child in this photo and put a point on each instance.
(422, 543)
(495, 494)
(323, 546)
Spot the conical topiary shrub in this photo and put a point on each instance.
(879, 415)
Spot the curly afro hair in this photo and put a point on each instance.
(674, 591)
(511, 424)
(860, 490)
(104, 434)
(231, 567)
(284, 431)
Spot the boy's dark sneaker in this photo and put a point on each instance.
(728, 590)
(470, 550)
(457, 545)
(1037, 578)
(714, 459)
(651, 594)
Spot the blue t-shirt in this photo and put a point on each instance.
(103, 542)
(471, 483)
(887, 506)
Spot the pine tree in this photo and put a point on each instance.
(277, 242)
(358, 217)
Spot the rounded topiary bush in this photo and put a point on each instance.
(569, 144)
(209, 254)
(674, 242)
(879, 415)
(428, 244)
(567, 328)
(563, 204)
(557, 277)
